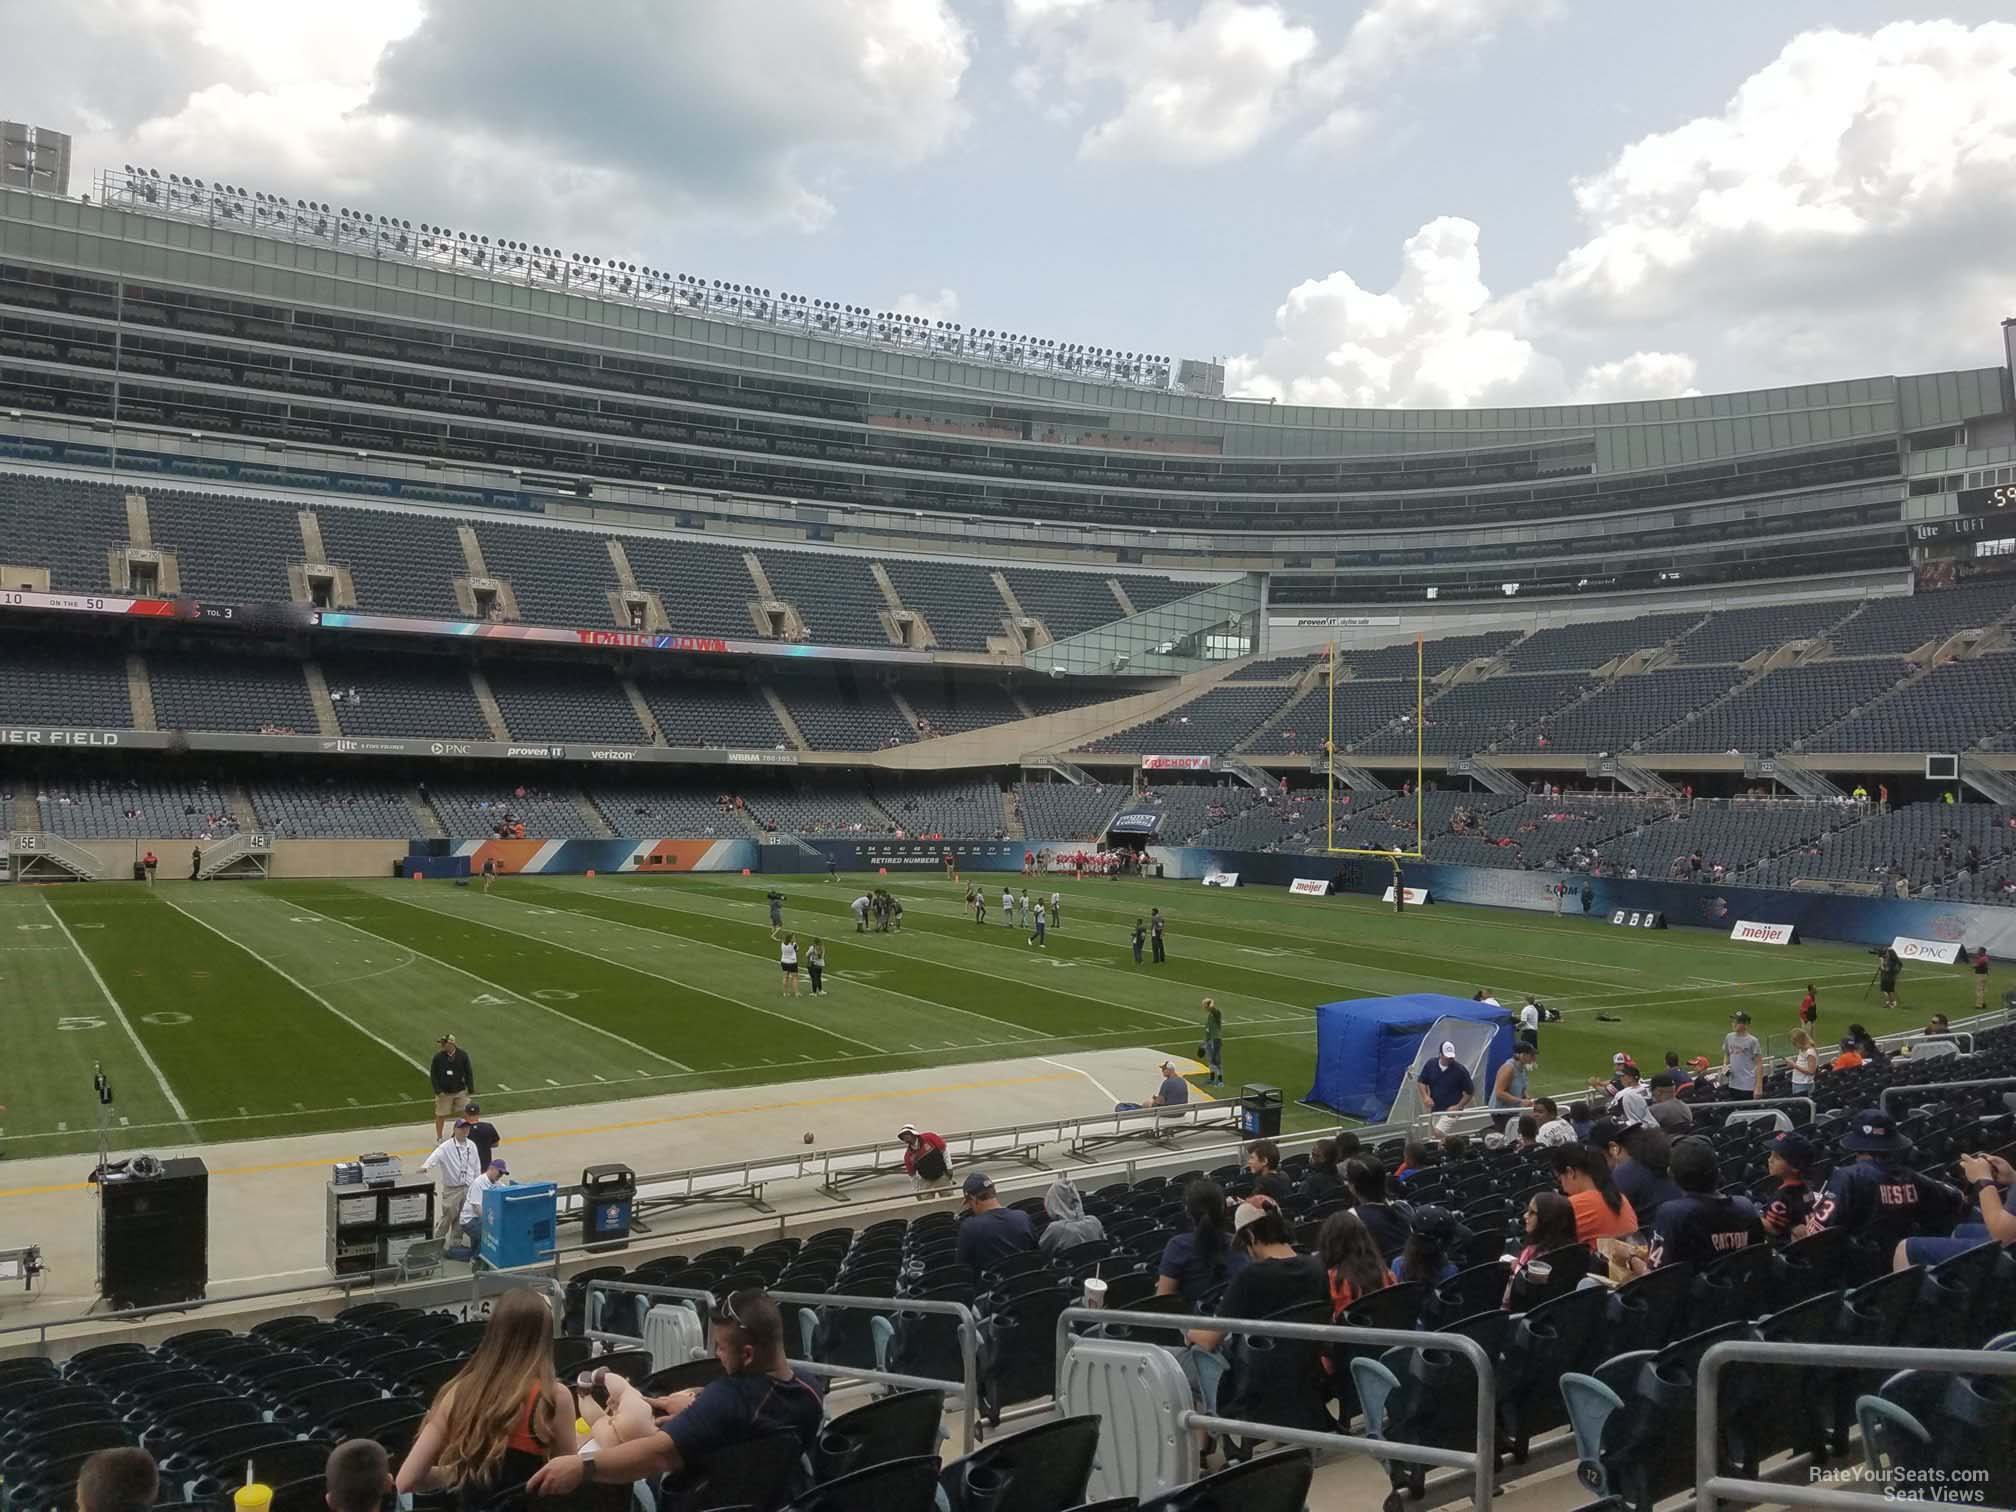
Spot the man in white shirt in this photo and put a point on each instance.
(457, 1164)
(470, 1220)
(1555, 1129)
(1529, 1021)
(1631, 1104)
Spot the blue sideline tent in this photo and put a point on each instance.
(1367, 1047)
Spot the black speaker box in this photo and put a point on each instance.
(154, 1237)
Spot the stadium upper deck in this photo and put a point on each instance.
(172, 324)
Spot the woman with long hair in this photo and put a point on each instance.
(1550, 1227)
(1601, 1211)
(502, 1416)
(1805, 1061)
(1274, 1277)
(1197, 1263)
(1351, 1260)
(1431, 1235)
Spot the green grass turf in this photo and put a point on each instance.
(225, 1011)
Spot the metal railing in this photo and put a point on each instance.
(1888, 1093)
(380, 1285)
(1481, 1462)
(966, 1390)
(1711, 1487)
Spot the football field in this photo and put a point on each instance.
(243, 1010)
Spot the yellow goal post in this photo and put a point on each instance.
(1330, 844)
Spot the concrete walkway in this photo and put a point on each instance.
(267, 1198)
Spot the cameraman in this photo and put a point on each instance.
(1887, 967)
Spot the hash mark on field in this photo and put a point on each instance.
(124, 1120)
(62, 1128)
(353, 1102)
(501, 1087)
(599, 1077)
(243, 1114)
(299, 1109)
(551, 1083)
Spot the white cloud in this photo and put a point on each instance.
(1392, 36)
(1211, 88)
(1200, 91)
(940, 306)
(1430, 340)
(1857, 195)
(527, 120)
(1851, 209)
(1642, 375)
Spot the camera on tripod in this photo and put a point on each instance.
(101, 1084)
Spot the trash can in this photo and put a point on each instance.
(1259, 1111)
(519, 1224)
(607, 1195)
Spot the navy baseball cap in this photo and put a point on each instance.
(978, 1185)
(1796, 1150)
(1873, 1132)
(1435, 1224)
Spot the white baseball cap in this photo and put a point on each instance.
(1449, 1048)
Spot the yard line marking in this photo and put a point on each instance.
(297, 983)
(174, 1102)
(463, 971)
(1104, 1090)
(932, 1003)
(655, 975)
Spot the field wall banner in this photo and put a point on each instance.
(465, 858)
(1816, 915)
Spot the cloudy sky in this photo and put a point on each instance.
(1399, 202)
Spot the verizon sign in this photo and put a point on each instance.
(1753, 933)
(1941, 952)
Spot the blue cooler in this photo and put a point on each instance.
(520, 1224)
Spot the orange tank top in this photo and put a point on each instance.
(522, 1437)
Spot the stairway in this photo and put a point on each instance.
(27, 816)
(592, 816)
(493, 716)
(140, 692)
(903, 707)
(1011, 820)
(326, 722)
(238, 804)
(642, 710)
(791, 731)
(424, 818)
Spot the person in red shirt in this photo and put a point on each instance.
(924, 1159)
(1979, 963)
(1809, 1008)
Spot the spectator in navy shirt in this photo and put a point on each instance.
(1878, 1198)
(1700, 1225)
(990, 1233)
(1445, 1083)
(1197, 1263)
(1638, 1165)
(760, 1397)
(1387, 1224)
(1263, 1160)
(1791, 1157)
(1431, 1236)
